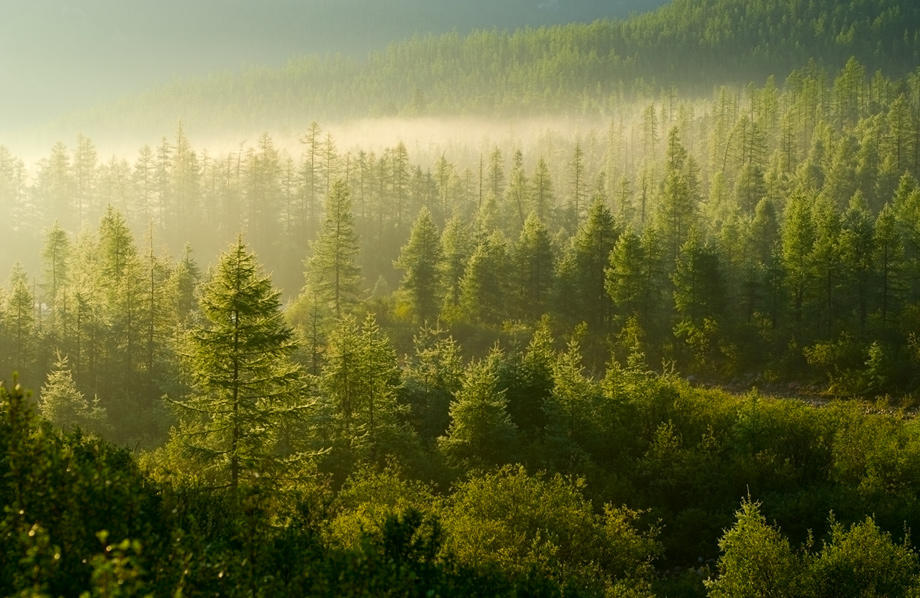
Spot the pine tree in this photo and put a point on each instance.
(698, 298)
(56, 256)
(568, 408)
(542, 195)
(361, 379)
(184, 281)
(66, 407)
(481, 431)
(577, 180)
(20, 325)
(678, 204)
(856, 242)
(798, 237)
(633, 280)
(310, 179)
(517, 193)
(888, 258)
(433, 374)
(332, 272)
(483, 288)
(421, 260)
(582, 271)
(455, 247)
(533, 273)
(244, 384)
(825, 262)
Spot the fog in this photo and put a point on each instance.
(59, 57)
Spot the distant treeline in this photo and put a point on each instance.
(688, 46)
(768, 236)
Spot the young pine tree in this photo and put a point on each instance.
(65, 406)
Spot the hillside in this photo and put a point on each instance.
(60, 57)
(574, 68)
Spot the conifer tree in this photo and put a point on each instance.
(678, 203)
(633, 278)
(332, 272)
(20, 325)
(481, 431)
(420, 260)
(517, 193)
(244, 385)
(56, 256)
(542, 191)
(888, 258)
(65, 406)
(360, 379)
(534, 275)
(483, 288)
(455, 247)
(582, 271)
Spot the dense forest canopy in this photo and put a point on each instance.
(636, 312)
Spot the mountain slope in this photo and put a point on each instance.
(576, 68)
(58, 56)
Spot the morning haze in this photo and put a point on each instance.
(58, 57)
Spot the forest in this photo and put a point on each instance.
(686, 47)
(673, 351)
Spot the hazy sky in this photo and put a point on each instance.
(61, 55)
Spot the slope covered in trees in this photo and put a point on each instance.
(687, 45)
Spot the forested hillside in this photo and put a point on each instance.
(61, 57)
(669, 348)
(687, 45)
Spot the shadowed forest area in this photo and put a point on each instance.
(640, 316)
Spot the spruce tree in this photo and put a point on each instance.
(420, 259)
(332, 272)
(65, 406)
(244, 385)
(534, 275)
(481, 431)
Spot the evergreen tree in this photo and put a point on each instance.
(577, 180)
(633, 279)
(888, 258)
(568, 408)
(678, 203)
(483, 288)
(421, 261)
(798, 237)
(756, 560)
(20, 326)
(184, 281)
(481, 431)
(66, 407)
(332, 272)
(698, 298)
(856, 255)
(517, 199)
(56, 256)
(360, 381)
(542, 195)
(582, 292)
(533, 272)
(455, 247)
(243, 382)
